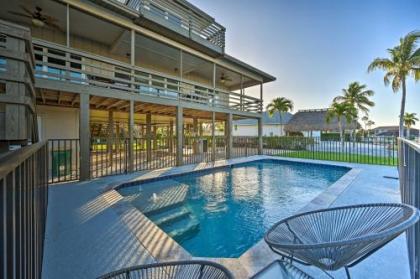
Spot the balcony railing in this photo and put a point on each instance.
(183, 19)
(23, 211)
(409, 170)
(59, 63)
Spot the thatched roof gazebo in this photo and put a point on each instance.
(315, 120)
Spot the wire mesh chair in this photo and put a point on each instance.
(172, 270)
(339, 237)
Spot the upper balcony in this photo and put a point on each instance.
(77, 68)
(176, 19)
(88, 45)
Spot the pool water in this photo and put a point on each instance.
(223, 212)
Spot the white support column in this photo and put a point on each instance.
(242, 94)
(131, 138)
(133, 48)
(261, 97)
(213, 136)
(68, 25)
(84, 135)
(214, 84)
(181, 64)
(228, 134)
(133, 58)
(260, 123)
(260, 136)
(179, 135)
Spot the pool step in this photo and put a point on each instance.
(186, 232)
(173, 217)
(163, 209)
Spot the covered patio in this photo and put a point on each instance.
(129, 135)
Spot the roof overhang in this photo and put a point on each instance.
(265, 77)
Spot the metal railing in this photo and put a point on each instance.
(110, 157)
(161, 153)
(409, 172)
(64, 160)
(23, 210)
(196, 25)
(59, 63)
(364, 150)
(244, 146)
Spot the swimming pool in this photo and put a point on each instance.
(223, 212)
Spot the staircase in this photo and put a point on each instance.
(176, 220)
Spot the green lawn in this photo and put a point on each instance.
(341, 157)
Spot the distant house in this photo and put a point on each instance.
(272, 126)
(393, 131)
(313, 123)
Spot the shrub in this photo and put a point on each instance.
(289, 143)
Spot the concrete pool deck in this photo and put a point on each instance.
(91, 231)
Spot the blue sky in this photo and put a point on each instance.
(316, 47)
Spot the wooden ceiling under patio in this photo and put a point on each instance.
(68, 99)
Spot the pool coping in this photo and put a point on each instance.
(163, 248)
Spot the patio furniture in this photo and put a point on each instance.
(339, 237)
(281, 270)
(172, 270)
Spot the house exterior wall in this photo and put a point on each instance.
(313, 133)
(58, 122)
(252, 130)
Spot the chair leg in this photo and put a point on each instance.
(347, 272)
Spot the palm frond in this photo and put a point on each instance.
(387, 77)
(416, 74)
(380, 63)
(396, 84)
(279, 105)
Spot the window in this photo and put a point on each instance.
(56, 71)
(3, 40)
(3, 63)
(2, 87)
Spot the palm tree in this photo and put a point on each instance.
(404, 60)
(341, 111)
(358, 96)
(369, 125)
(280, 105)
(409, 121)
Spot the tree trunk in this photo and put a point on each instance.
(341, 135)
(401, 129)
(408, 132)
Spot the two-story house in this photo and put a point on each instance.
(131, 75)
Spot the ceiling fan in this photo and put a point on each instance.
(224, 78)
(38, 19)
